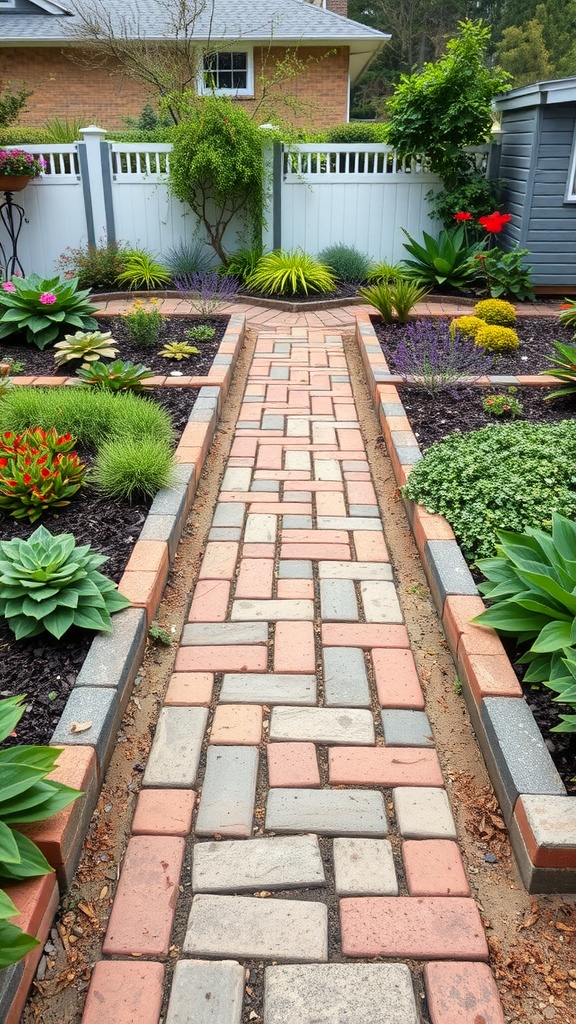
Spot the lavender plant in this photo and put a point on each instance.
(427, 355)
(206, 291)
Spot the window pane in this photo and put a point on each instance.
(210, 62)
(224, 80)
(239, 61)
(239, 79)
(225, 61)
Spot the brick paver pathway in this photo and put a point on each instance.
(312, 801)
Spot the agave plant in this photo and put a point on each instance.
(43, 308)
(88, 346)
(564, 368)
(447, 260)
(116, 376)
(48, 584)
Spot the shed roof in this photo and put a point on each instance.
(539, 94)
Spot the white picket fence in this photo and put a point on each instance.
(360, 195)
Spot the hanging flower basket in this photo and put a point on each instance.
(14, 182)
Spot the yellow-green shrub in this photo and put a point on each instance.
(466, 326)
(494, 338)
(496, 311)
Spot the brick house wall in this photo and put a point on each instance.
(64, 88)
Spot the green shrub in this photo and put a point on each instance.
(142, 270)
(467, 326)
(496, 311)
(120, 375)
(91, 416)
(143, 322)
(506, 273)
(506, 476)
(85, 346)
(188, 258)
(349, 264)
(49, 584)
(43, 309)
(38, 471)
(291, 272)
(203, 332)
(384, 271)
(95, 266)
(399, 296)
(18, 135)
(506, 406)
(379, 295)
(353, 132)
(497, 339)
(133, 467)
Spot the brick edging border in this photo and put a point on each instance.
(539, 814)
(104, 684)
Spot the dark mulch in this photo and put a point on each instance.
(537, 335)
(434, 417)
(37, 363)
(45, 668)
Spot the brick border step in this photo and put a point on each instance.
(539, 814)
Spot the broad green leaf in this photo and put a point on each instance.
(32, 861)
(14, 944)
(9, 852)
(11, 711)
(17, 778)
(553, 637)
(7, 908)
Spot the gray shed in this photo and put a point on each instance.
(538, 171)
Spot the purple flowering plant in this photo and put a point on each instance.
(206, 291)
(21, 163)
(427, 356)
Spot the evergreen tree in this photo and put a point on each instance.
(523, 53)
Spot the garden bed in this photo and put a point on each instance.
(41, 363)
(111, 527)
(539, 811)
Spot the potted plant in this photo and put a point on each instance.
(17, 167)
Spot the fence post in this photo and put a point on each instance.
(94, 157)
(272, 160)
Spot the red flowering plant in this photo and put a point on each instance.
(38, 470)
(494, 222)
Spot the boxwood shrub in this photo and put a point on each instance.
(503, 477)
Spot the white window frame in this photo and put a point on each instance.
(206, 90)
(7, 3)
(570, 193)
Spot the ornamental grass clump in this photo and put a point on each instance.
(348, 263)
(142, 270)
(427, 356)
(43, 309)
(291, 272)
(49, 584)
(130, 467)
(38, 471)
(505, 476)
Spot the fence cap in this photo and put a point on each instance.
(92, 129)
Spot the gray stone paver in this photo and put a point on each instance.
(268, 688)
(175, 753)
(323, 725)
(380, 602)
(267, 929)
(339, 994)
(338, 601)
(354, 571)
(328, 812)
(206, 992)
(272, 610)
(423, 813)
(406, 728)
(228, 792)
(345, 678)
(364, 867)
(273, 863)
(222, 633)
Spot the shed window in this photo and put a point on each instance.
(570, 194)
(228, 72)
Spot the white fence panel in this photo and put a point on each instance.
(54, 211)
(362, 195)
(145, 213)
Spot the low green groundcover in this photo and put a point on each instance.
(503, 477)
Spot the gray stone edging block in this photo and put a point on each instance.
(99, 706)
(448, 571)
(113, 658)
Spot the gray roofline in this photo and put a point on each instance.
(539, 94)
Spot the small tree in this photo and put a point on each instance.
(216, 167)
(448, 105)
(12, 104)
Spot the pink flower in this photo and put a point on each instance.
(48, 298)
(8, 286)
